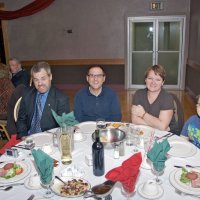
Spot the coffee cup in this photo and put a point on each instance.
(78, 135)
(150, 188)
(34, 181)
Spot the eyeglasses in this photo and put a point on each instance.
(96, 75)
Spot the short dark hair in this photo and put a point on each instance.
(41, 65)
(15, 59)
(158, 69)
(98, 66)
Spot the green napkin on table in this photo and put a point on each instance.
(67, 119)
(157, 154)
(44, 164)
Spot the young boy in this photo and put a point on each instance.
(191, 128)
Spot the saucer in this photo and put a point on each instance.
(147, 196)
(26, 184)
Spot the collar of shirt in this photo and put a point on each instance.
(91, 92)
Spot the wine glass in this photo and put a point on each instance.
(46, 184)
(127, 191)
(158, 170)
(100, 123)
(147, 143)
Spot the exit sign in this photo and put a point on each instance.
(156, 5)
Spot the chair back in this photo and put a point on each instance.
(16, 108)
(178, 112)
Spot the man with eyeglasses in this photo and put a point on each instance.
(35, 108)
(96, 101)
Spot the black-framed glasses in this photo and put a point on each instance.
(96, 75)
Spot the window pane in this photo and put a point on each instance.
(139, 65)
(170, 62)
(169, 36)
(143, 36)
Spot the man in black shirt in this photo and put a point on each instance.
(19, 75)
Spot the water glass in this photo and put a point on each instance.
(100, 124)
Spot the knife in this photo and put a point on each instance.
(31, 197)
(21, 147)
(12, 184)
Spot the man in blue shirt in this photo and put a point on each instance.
(96, 101)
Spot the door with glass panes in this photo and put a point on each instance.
(155, 40)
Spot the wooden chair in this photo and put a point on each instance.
(16, 108)
(3, 129)
(179, 114)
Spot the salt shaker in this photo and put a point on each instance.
(121, 148)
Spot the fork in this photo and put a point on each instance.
(192, 166)
(184, 194)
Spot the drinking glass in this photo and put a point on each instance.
(158, 171)
(100, 124)
(127, 191)
(48, 193)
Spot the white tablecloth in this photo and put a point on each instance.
(84, 148)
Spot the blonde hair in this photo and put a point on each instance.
(4, 71)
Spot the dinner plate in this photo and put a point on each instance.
(143, 130)
(174, 178)
(56, 187)
(181, 148)
(84, 137)
(87, 127)
(148, 196)
(42, 138)
(26, 170)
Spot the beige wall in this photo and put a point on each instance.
(98, 28)
(193, 64)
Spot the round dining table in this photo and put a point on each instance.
(82, 151)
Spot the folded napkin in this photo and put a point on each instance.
(67, 119)
(127, 173)
(44, 164)
(157, 154)
(12, 142)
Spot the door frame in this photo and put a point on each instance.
(128, 71)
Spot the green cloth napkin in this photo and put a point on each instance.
(65, 119)
(157, 154)
(44, 164)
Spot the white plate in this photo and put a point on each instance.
(82, 139)
(42, 138)
(147, 196)
(56, 187)
(181, 148)
(26, 170)
(28, 186)
(146, 130)
(87, 127)
(174, 178)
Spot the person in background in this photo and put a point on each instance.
(6, 90)
(17, 93)
(153, 106)
(35, 113)
(96, 101)
(18, 75)
(191, 128)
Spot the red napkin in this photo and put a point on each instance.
(127, 173)
(13, 141)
